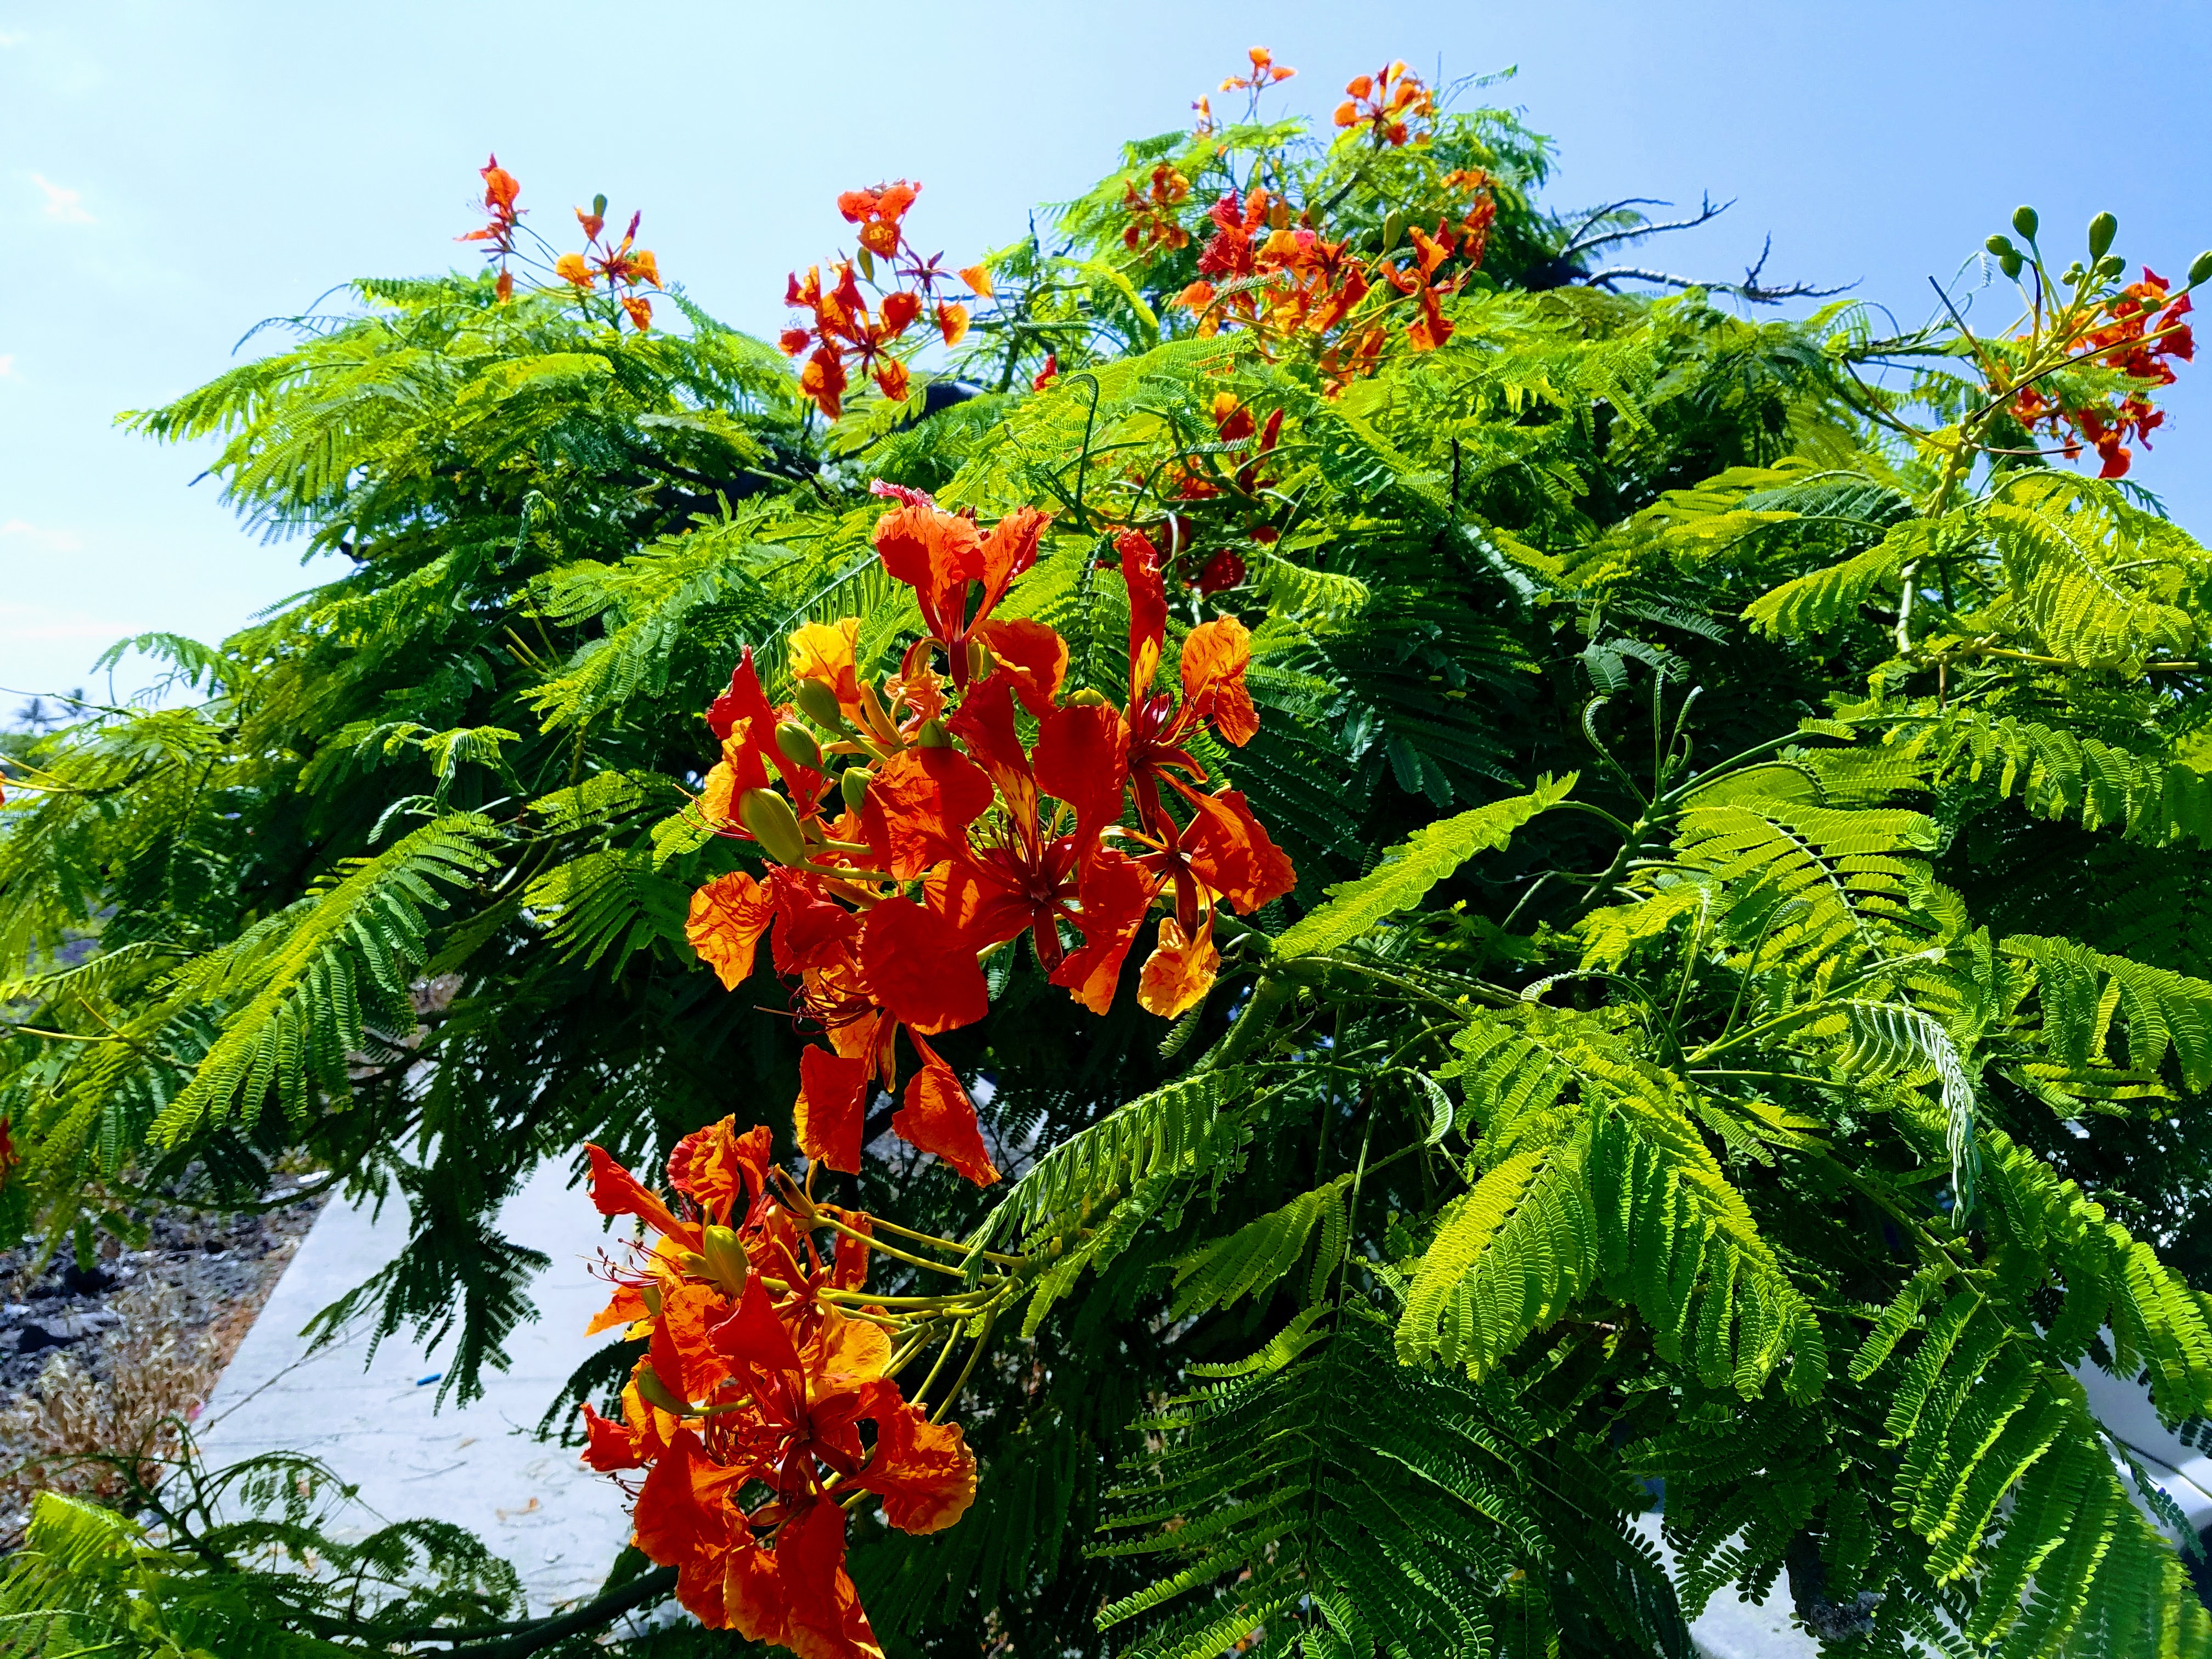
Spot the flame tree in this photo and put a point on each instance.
(1293, 894)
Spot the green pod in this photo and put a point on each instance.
(1086, 698)
(773, 825)
(1394, 227)
(1999, 246)
(934, 735)
(798, 744)
(2011, 263)
(2200, 268)
(599, 206)
(819, 704)
(854, 786)
(866, 261)
(2024, 221)
(2102, 229)
(654, 1392)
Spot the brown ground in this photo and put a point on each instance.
(96, 1362)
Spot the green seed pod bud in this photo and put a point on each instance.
(774, 825)
(979, 659)
(1394, 227)
(2200, 268)
(819, 704)
(2011, 263)
(934, 735)
(853, 786)
(798, 744)
(599, 206)
(2024, 221)
(2074, 275)
(654, 1392)
(725, 1259)
(866, 261)
(2102, 229)
(1086, 698)
(2111, 266)
(1999, 246)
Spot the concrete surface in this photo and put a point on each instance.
(477, 1466)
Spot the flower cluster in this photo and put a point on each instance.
(2138, 331)
(1308, 286)
(502, 191)
(1265, 72)
(762, 1362)
(843, 324)
(1383, 102)
(966, 801)
(623, 267)
(1155, 223)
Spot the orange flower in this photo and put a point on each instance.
(1180, 971)
(877, 213)
(571, 268)
(1382, 101)
(1266, 72)
(1154, 223)
(978, 279)
(638, 310)
(952, 323)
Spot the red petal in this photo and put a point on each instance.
(683, 1522)
(728, 916)
(607, 1446)
(923, 1471)
(1008, 550)
(832, 1106)
(811, 931)
(711, 1166)
(921, 968)
(1232, 853)
(826, 1619)
(1033, 656)
(921, 803)
(1215, 655)
(1148, 608)
(616, 1191)
(751, 1338)
(1082, 758)
(1115, 893)
(985, 724)
(938, 1117)
(936, 555)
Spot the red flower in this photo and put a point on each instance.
(944, 557)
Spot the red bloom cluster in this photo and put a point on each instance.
(1382, 103)
(1153, 221)
(623, 266)
(2138, 331)
(502, 191)
(763, 1362)
(1005, 833)
(1266, 72)
(843, 324)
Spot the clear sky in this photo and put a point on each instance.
(172, 173)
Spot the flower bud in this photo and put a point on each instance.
(773, 825)
(2111, 266)
(599, 205)
(2102, 229)
(2011, 263)
(979, 659)
(725, 1259)
(1086, 698)
(854, 786)
(866, 261)
(934, 735)
(654, 1392)
(1999, 246)
(819, 704)
(2024, 221)
(798, 744)
(1394, 227)
(2200, 268)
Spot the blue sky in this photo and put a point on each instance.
(172, 174)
